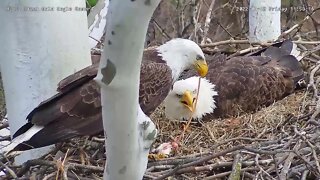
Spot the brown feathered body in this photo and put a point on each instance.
(76, 109)
(247, 83)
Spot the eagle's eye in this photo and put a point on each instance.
(199, 57)
(179, 96)
(194, 91)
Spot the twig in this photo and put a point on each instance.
(9, 170)
(285, 33)
(172, 161)
(65, 172)
(304, 175)
(314, 154)
(233, 41)
(250, 49)
(41, 162)
(306, 42)
(227, 173)
(236, 167)
(207, 22)
(237, 139)
(315, 90)
(202, 160)
(49, 176)
(287, 163)
(162, 31)
(276, 165)
(260, 168)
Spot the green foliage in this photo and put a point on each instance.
(91, 3)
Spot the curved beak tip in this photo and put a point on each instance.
(187, 100)
(202, 67)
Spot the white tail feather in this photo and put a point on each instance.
(20, 139)
(296, 52)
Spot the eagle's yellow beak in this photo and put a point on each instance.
(201, 67)
(187, 100)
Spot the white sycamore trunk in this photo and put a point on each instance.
(264, 20)
(126, 127)
(39, 48)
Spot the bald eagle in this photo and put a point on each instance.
(236, 85)
(76, 109)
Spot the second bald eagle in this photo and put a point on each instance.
(236, 85)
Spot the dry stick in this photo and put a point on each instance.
(246, 41)
(41, 162)
(309, 52)
(288, 161)
(214, 166)
(227, 173)
(49, 176)
(207, 22)
(172, 161)
(233, 41)
(160, 167)
(315, 90)
(162, 31)
(209, 167)
(304, 175)
(195, 19)
(210, 133)
(10, 171)
(60, 166)
(248, 175)
(149, 176)
(299, 24)
(307, 163)
(73, 175)
(236, 139)
(306, 42)
(236, 167)
(261, 169)
(202, 160)
(276, 166)
(272, 152)
(65, 172)
(245, 51)
(314, 154)
(294, 27)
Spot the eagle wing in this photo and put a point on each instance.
(76, 109)
(246, 83)
(79, 78)
(155, 84)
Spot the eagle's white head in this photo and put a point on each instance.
(180, 101)
(182, 54)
